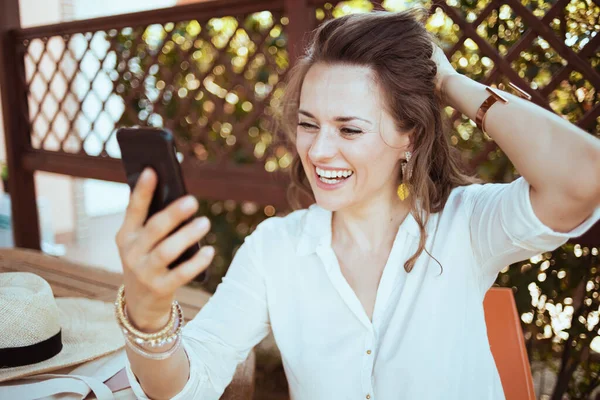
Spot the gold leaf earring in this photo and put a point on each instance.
(403, 191)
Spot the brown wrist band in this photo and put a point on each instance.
(482, 111)
(496, 96)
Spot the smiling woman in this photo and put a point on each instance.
(361, 98)
(373, 292)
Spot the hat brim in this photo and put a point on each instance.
(89, 331)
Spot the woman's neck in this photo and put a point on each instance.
(369, 226)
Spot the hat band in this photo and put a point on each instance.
(34, 353)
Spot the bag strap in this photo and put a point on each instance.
(53, 384)
(79, 382)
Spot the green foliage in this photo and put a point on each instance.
(231, 223)
(4, 173)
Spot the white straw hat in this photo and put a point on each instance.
(39, 333)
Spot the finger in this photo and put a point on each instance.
(139, 201)
(169, 249)
(161, 224)
(187, 271)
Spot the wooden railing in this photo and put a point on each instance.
(213, 73)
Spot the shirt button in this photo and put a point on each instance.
(368, 396)
(368, 351)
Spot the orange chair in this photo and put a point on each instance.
(507, 344)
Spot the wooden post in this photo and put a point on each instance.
(26, 230)
(301, 20)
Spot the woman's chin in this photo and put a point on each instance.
(332, 198)
(330, 202)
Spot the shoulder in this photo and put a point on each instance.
(466, 192)
(459, 197)
(462, 200)
(488, 201)
(482, 194)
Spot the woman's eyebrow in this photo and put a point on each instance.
(338, 119)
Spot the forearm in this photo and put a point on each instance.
(161, 379)
(551, 153)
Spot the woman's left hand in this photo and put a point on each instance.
(444, 71)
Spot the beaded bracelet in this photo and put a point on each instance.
(126, 324)
(159, 342)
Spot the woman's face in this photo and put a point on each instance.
(348, 143)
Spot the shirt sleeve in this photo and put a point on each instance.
(504, 228)
(229, 325)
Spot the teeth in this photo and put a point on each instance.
(327, 173)
(330, 181)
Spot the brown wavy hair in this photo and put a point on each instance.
(398, 48)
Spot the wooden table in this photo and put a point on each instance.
(69, 279)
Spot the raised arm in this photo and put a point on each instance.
(558, 195)
(560, 161)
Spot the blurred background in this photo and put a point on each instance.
(214, 75)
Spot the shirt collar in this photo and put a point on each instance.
(316, 229)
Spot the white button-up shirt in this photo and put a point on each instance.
(427, 338)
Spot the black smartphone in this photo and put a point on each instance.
(155, 148)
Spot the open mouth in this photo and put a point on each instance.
(332, 177)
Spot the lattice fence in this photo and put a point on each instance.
(213, 73)
(207, 81)
(214, 81)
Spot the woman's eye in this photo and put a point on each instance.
(306, 125)
(349, 131)
(345, 131)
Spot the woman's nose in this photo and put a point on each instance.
(323, 146)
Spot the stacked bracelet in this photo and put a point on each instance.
(168, 337)
(137, 339)
(120, 312)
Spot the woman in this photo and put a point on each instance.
(375, 291)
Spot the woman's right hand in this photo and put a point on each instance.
(147, 249)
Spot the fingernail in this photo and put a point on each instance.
(188, 203)
(145, 173)
(202, 222)
(208, 251)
